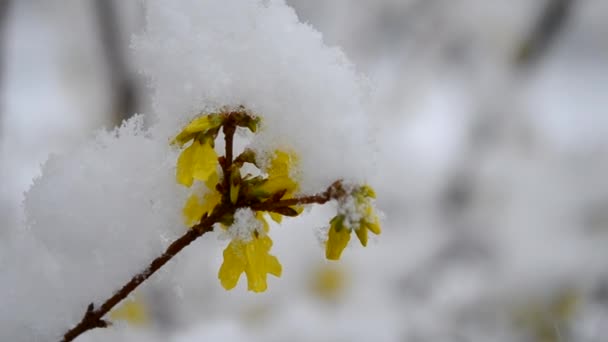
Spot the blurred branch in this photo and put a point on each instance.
(551, 21)
(490, 126)
(4, 9)
(123, 86)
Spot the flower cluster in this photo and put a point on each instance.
(241, 201)
(355, 213)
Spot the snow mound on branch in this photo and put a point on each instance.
(98, 216)
(203, 55)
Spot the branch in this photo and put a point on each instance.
(123, 85)
(334, 191)
(93, 317)
(226, 162)
(552, 20)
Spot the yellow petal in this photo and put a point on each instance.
(374, 226)
(193, 211)
(337, 240)
(204, 161)
(281, 163)
(260, 263)
(233, 265)
(276, 184)
(198, 125)
(367, 191)
(276, 217)
(213, 180)
(184, 165)
(279, 174)
(132, 311)
(251, 257)
(235, 185)
(197, 161)
(362, 235)
(260, 217)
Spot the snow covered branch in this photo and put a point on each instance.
(272, 195)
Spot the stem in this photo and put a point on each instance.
(553, 19)
(93, 317)
(229, 129)
(334, 191)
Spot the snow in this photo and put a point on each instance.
(257, 54)
(531, 228)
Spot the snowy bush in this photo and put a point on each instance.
(98, 215)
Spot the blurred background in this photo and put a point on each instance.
(491, 132)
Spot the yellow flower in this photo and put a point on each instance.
(197, 161)
(199, 125)
(337, 239)
(251, 257)
(369, 222)
(340, 228)
(195, 209)
(279, 178)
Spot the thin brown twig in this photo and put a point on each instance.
(229, 130)
(93, 318)
(334, 191)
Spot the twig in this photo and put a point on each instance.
(93, 318)
(552, 20)
(123, 86)
(334, 191)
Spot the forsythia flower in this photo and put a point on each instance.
(279, 175)
(195, 209)
(199, 160)
(252, 257)
(202, 124)
(239, 202)
(279, 179)
(359, 216)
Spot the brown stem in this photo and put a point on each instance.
(93, 318)
(553, 19)
(229, 129)
(334, 191)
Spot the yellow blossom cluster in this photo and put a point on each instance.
(199, 162)
(272, 192)
(342, 225)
